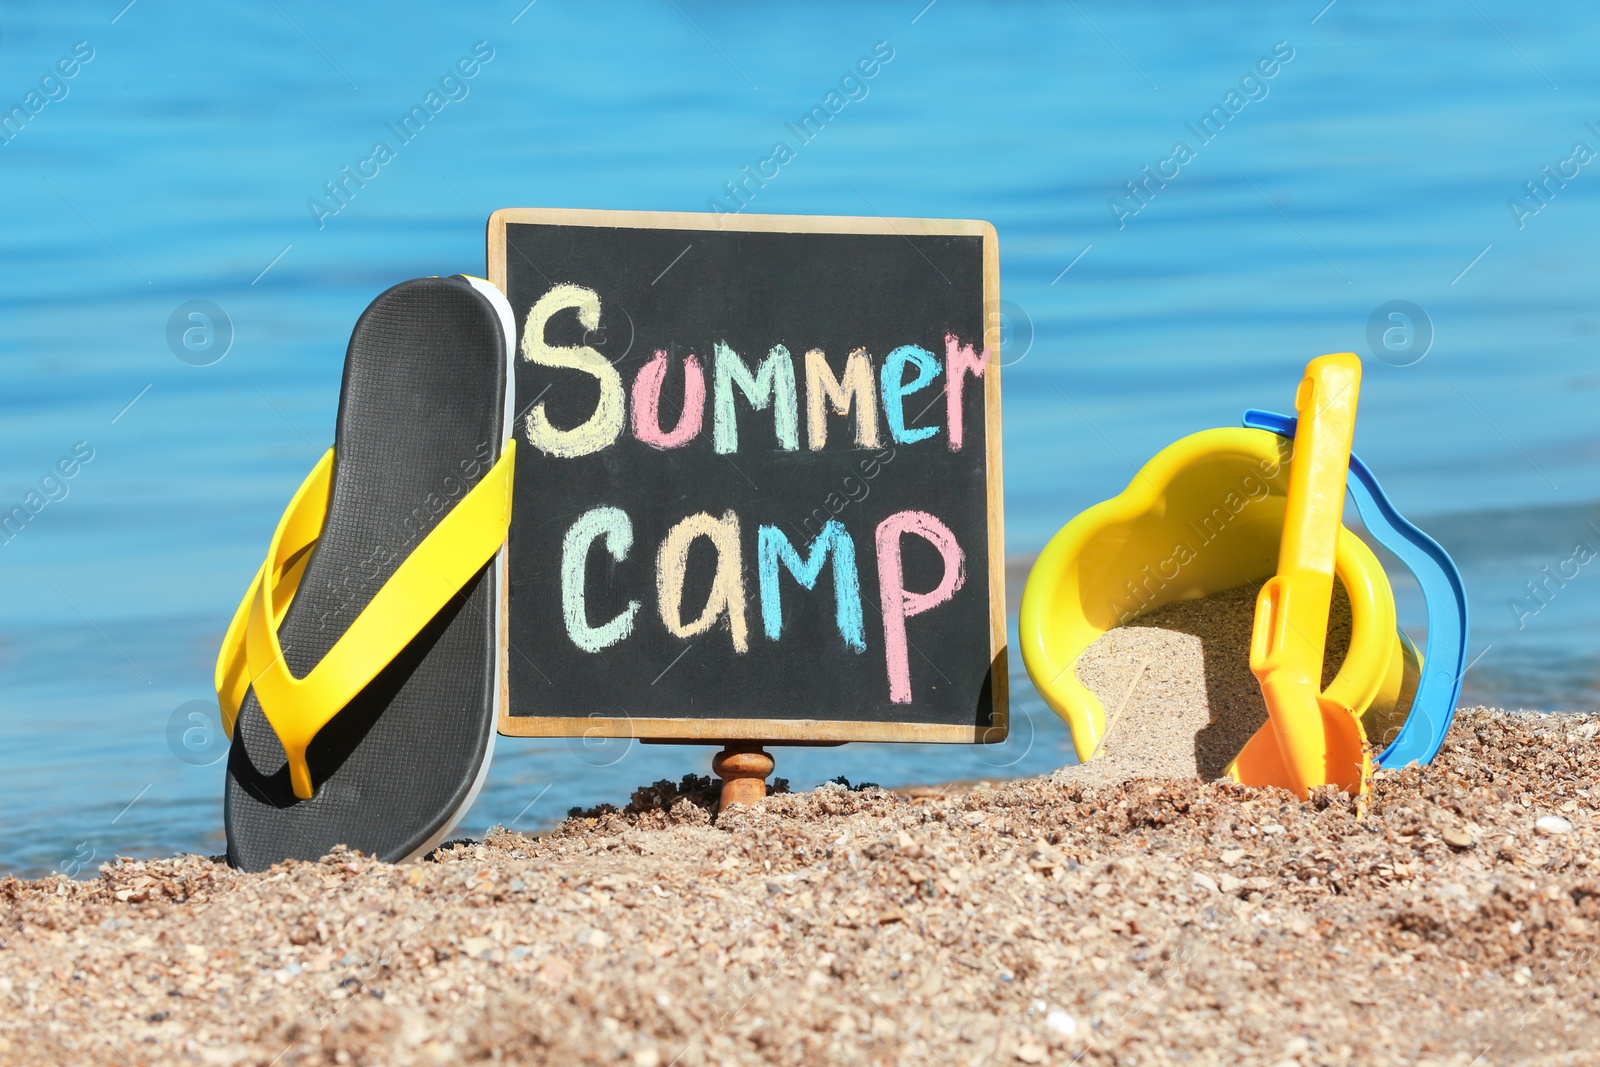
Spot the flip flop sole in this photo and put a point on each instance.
(423, 414)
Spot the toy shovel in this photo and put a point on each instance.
(1308, 740)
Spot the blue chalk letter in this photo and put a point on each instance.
(773, 547)
(895, 390)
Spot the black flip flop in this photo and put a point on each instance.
(424, 417)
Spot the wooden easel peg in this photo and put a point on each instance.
(743, 768)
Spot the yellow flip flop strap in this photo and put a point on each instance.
(300, 527)
(444, 561)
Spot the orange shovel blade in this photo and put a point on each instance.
(1346, 761)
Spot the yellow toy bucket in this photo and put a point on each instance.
(1204, 515)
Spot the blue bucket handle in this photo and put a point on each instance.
(1434, 706)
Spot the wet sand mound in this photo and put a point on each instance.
(1176, 685)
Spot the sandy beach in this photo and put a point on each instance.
(1452, 918)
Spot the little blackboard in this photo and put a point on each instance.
(758, 489)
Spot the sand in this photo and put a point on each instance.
(1144, 922)
(1176, 685)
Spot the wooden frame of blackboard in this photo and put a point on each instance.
(801, 731)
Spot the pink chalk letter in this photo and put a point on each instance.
(959, 361)
(647, 403)
(898, 603)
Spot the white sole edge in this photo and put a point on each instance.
(508, 323)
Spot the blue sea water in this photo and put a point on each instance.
(1380, 162)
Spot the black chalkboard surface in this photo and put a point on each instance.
(758, 489)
